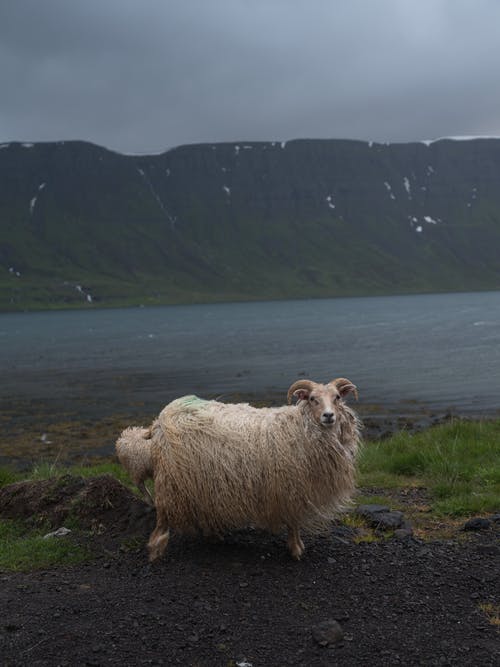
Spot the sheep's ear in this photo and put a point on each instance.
(301, 394)
(345, 387)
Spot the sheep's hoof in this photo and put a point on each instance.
(157, 546)
(296, 549)
(297, 553)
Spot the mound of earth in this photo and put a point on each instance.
(100, 504)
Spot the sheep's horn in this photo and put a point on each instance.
(345, 386)
(300, 384)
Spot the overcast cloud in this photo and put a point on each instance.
(145, 75)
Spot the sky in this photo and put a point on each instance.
(146, 75)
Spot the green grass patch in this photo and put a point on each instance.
(458, 462)
(8, 476)
(48, 470)
(23, 549)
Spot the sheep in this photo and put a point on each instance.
(133, 449)
(221, 466)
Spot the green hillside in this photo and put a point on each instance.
(83, 226)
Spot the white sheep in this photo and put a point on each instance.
(225, 466)
(133, 449)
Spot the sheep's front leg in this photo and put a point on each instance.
(146, 494)
(295, 544)
(158, 540)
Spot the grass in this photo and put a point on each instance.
(23, 549)
(458, 464)
(8, 476)
(48, 470)
(492, 613)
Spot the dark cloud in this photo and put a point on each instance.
(142, 76)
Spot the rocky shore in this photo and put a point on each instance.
(85, 429)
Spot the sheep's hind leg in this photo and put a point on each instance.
(295, 544)
(159, 537)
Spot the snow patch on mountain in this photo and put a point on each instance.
(389, 190)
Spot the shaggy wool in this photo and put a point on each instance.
(224, 466)
(133, 449)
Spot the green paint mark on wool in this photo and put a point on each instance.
(192, 401)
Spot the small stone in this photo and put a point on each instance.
(60, 532)
(495, 518)
(328, 632)
(331, 561)
(340, 614)
(478, 523)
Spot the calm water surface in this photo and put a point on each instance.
(442, 351)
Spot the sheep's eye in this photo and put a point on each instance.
(314, 400)
(337, 398)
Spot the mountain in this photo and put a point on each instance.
(82, 225)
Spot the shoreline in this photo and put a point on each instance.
(75, 430)
(145, 302)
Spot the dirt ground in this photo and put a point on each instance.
(244, 601)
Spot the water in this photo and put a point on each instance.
(440, 351)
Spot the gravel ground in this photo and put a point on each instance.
(244, 601)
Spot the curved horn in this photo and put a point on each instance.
(300, 384)
(345, 386)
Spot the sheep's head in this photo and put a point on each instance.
(323, 400)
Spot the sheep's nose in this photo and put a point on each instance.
(328, 417)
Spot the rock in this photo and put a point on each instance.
(328, 632)
(403, 533)
(381, 517)
(388, 520)
(60, 532)
(495, 518)
(343, 531)
(369, 510)
(478, 523)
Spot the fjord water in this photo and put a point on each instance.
(440, 351)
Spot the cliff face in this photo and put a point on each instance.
(81, 224)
